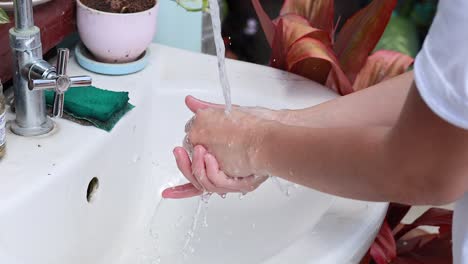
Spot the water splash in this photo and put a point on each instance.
(202, 208)
(205, 198)
(150, 250)
(284, 187)
(220, 52)
(242, 195)
(191, 233)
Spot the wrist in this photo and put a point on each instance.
(287, 116)
(259, 146)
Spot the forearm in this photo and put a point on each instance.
(420, 160)
(379, 105)
(347, 162)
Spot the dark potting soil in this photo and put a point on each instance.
(120, 6)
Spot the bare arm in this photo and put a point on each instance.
(420, 160)
(379, 105)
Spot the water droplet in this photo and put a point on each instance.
(179, 221)
(157, 260)
(206, 197)
(154, 234)
(241, 196)
(223, 196)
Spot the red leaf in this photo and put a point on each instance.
(433, 249)
(380, 66)
(338, 81)
(278, 58)
(265, 21)
(407, 246)
(289, 30)
(360, 34)
(432, 217)
(384, 248)
(312, 59)
(297, 27)
(320, 13)
(396, 213)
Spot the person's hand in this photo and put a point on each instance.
(229, 138)
(205, 176)
(233, 139)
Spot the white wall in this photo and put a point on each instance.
(177, 27)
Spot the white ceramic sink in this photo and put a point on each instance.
(46, 218)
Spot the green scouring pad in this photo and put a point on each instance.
(101, 108)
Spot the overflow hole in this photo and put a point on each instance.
(93, 187)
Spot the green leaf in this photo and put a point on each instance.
(401, 35)
(189, 5)
(3, 17)
(360, 34)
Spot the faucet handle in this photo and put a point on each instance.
(60, 82)
(62, 61)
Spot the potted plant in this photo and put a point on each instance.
(117, 31)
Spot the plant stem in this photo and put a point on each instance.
(204, 6)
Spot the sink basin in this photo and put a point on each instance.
(81, 195)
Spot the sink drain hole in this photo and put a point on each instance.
(93, 187)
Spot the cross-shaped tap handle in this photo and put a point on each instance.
(60, 82)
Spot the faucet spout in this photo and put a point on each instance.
(23, 14)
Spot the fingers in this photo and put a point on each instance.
(187, 145)
(198, 166)
(222, 181)
(183, 191)
(195, 104)
(185, 166)
(199, 171)
(204, 176)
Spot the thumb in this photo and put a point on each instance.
(195, 104)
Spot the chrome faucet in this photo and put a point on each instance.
(33, 75)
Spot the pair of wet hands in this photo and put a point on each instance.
(201, 168)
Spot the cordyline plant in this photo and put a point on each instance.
(303, 41)
(406, 244)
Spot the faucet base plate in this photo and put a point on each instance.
(33, 131)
